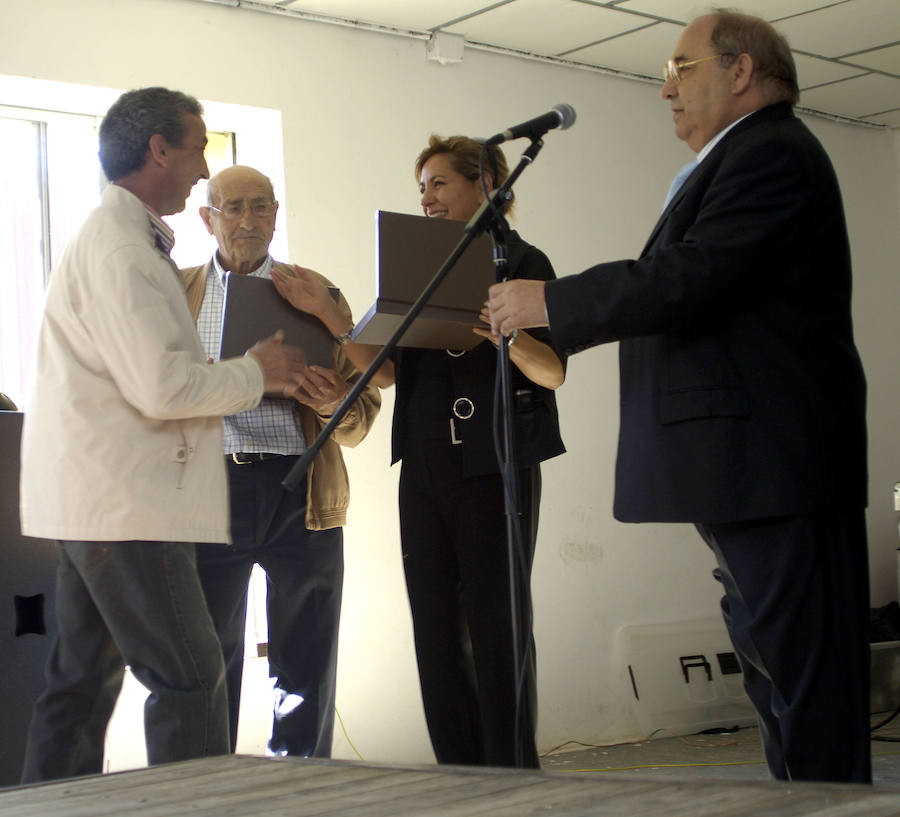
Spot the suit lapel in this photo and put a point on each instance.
(780, 110)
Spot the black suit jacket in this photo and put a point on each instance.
(742, 393)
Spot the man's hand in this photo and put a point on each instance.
(517, 304)
(307, 293)
(323, 389)
(283, 367)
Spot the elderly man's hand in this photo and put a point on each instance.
(284, 367)
(517, 304)
(323, 390)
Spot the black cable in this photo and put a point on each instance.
(886, 721)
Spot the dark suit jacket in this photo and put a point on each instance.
(472, 375)
(742, 393)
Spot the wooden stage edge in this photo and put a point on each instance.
(291, 787)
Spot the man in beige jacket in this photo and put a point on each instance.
(297, 537)
(121, 456)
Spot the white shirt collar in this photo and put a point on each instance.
(264, 270)
(707, 148)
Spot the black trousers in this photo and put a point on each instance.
(454, 541)
(304, 581)
(796, 606)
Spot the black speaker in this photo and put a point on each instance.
(27, 608)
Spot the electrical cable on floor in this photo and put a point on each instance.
(686, 742)
(555, 749)
(668, 766)
(344, 730)
(886, 721)
(881, 724)
(717, 745)
(637, 743)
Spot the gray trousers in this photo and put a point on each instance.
(140, 604)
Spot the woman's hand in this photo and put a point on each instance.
(490, 334)
(304, 291)
(536, 360)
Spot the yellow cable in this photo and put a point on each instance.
(661, 766)
(344, 730)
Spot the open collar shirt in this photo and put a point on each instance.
(274, 425)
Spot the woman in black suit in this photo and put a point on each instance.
(452, 517)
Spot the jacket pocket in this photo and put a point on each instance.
(697, 404)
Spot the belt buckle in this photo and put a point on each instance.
(463, 408)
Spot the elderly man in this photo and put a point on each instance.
(742, 393)
(297, 537)
(121, 456)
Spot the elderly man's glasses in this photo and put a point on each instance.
(235, 209)
(673, 68)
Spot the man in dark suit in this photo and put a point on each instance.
(742, 393)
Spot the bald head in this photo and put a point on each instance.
(236, 175)
(241, 215)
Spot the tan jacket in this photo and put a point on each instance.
(328, 488)
(122, 439)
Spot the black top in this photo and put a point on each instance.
(430, 382)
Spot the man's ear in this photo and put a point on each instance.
(741, 73)
(157, 149)
(205, 215)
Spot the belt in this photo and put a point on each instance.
(246, 459)
(463, 409)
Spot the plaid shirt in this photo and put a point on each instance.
(274, 425)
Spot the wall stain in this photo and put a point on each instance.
(580, 552)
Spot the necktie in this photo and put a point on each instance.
(680, 176)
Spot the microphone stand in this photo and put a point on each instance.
(488, 218)
(504, 409)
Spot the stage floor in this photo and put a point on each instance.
(263, 787)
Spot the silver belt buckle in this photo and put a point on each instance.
(463, 408)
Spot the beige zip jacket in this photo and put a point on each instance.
(122, 436)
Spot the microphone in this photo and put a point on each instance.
(562, 116)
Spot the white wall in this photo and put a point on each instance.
(356, 108)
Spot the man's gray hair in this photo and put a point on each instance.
(133, 118)
(773, 64)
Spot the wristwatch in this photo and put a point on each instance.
(341, 339)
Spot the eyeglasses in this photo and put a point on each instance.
(673, 68)
(234, 210)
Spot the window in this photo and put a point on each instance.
(36, 219)
(193, 245)
(45, 195)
